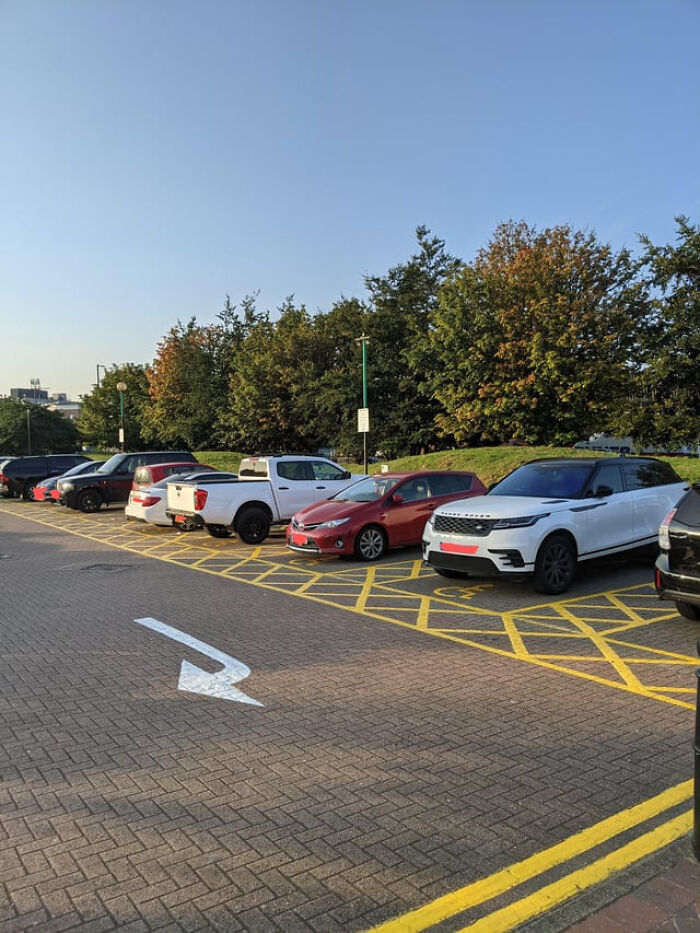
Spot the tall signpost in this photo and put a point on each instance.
(121, 389)
(363, 413)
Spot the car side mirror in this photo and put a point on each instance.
(397, 498)
(347, 474)
(602, 491)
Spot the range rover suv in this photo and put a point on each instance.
(111, 483)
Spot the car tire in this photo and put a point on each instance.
(555, 565)
(370, 543)
(28, 491)
(253, 526)
(89, 500)
(688, 610)
(218, 531)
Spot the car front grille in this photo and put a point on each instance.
(457, 525)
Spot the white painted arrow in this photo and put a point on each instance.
(194, 679)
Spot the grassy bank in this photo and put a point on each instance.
(489, 463)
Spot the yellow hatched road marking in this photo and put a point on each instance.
(484, 890)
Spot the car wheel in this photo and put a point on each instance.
(28, 491)
(218, 531)
(370, 543)
(89, 500)
(688, 611)
(253, 526)
(191, 526)
(555, 566)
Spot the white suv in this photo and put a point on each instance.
(548, 514)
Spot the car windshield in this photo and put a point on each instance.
(78, 468)
(545, 480)
(109, 466)
(367, 490)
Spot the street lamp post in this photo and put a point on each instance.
(121, 389)
(29, 434)
(363, 413)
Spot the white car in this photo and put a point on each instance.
(548, 514)
(149, 504)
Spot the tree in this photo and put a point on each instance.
(99, 420)
(400, 364)
(665, 408)
(27, 429)
(273, 384)
(534, 339)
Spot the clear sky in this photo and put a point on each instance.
(157, 155)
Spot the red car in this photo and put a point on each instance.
(382, 511)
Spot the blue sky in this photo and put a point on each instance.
(158, 155)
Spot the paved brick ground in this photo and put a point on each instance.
(383, 770)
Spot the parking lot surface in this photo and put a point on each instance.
(405, 751)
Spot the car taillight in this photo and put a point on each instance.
(146, 500)
(4, 478)
(200, 497)
(664, 539)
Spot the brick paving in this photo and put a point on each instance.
(380, 773)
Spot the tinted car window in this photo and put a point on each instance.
(413, 489)
(545, 480)
(608, 475)
(64, 461)
(443, 485)
(295, 470)
(648, 473)
(326, 471)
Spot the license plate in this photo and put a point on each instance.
(298, 538)
(449, 548)
(180, 518)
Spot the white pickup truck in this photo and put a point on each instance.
(268, 491)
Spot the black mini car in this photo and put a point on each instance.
(677, 575)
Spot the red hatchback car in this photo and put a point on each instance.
(383, 511)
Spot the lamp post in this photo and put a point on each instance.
(121, 389)
(29, 432)
(363, 413)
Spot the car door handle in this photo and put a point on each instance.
(283, 487)
(320, 487)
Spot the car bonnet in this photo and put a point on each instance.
(503, 506)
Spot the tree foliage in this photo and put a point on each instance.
(100, 418)
(27, 429)
(533, 339)
(664, 408)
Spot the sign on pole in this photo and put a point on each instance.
(363, 420)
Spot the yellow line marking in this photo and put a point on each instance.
(423, 613)
(514, 635)
(479, 892)
(508, 918)
(366, 589)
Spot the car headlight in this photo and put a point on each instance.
(334, 523)
(525, 521)
(66, 484)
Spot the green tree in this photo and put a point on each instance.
(32, 429)
(99, 420)
(273, 384)
(534, 339)
(400, 359)
(664, 409)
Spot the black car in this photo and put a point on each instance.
(677, 575)
(111, 483)
(19, 475)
